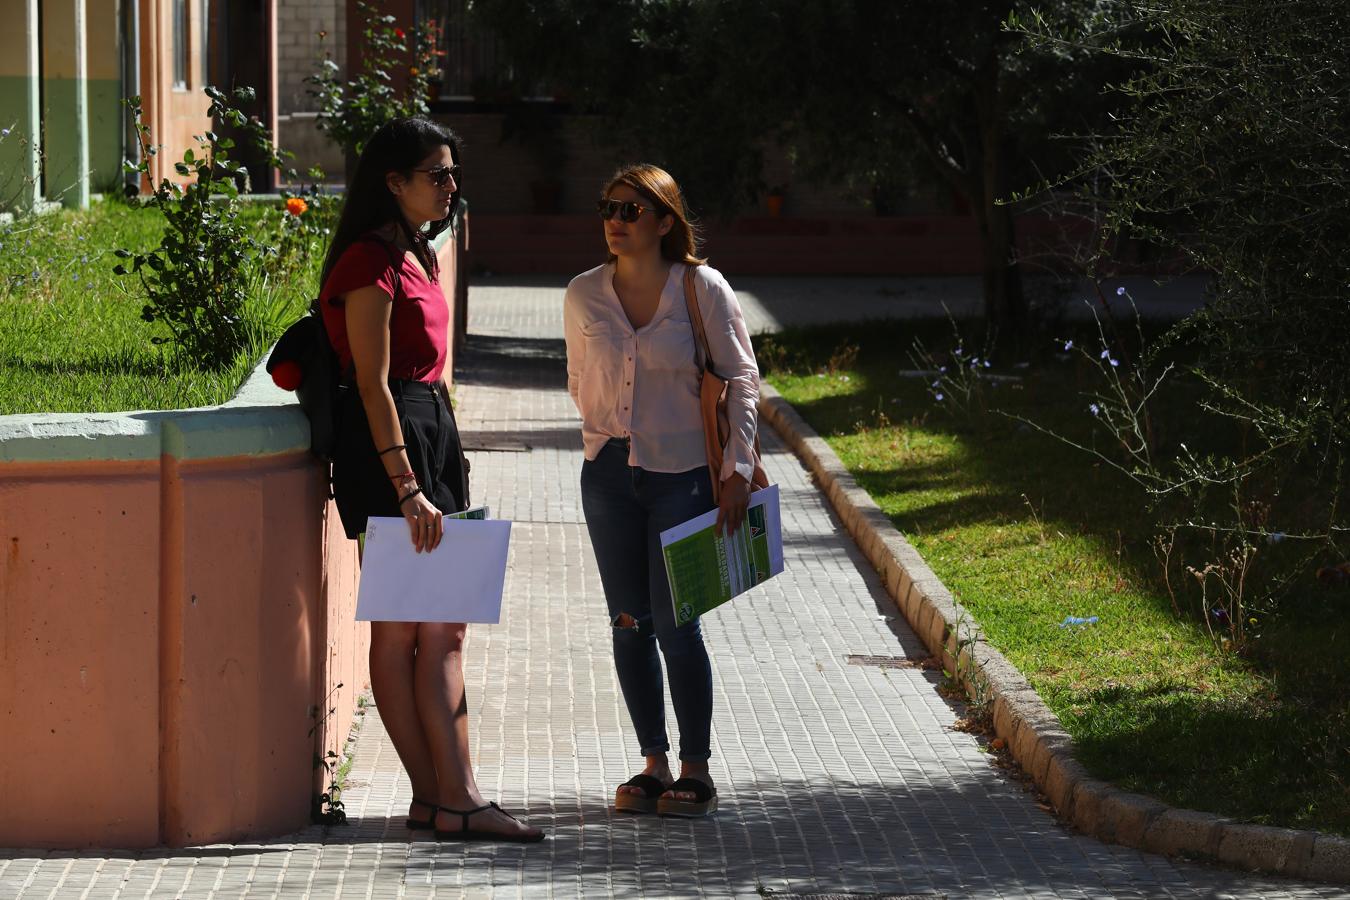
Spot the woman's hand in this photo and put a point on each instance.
(425, 522)
(732, 499)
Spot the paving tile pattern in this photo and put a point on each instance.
(835, 779)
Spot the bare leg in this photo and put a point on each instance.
(393, 652)
(444, 711)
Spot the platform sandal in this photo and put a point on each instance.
(704, 802)
(651, 787)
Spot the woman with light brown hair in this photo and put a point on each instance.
(633, 371)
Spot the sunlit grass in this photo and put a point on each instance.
(1027, 531)
(71, 335)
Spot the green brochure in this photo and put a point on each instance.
(706, 570)
(473, 512)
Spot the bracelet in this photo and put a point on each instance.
(402, 475)
(408, 496)
(392, 449)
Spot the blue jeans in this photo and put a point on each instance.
(626, 510)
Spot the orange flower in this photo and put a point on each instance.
(412, 70)
(296, 206)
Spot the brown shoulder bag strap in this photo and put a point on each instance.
(696, 320)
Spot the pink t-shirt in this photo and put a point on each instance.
(418, 323)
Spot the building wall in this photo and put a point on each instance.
(106, 115)
(19, 114)
(299, 49)
(498, 174)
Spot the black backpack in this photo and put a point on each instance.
(323, 384)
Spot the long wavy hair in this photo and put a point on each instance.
(659, 188)
(398, 146)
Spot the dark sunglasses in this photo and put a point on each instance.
(441, 174)
(627, 210)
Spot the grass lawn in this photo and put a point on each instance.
(71, 336)
(1026, 531)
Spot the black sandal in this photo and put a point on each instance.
(465, 833)
(651, 787)
(704, 802)
(427, 824)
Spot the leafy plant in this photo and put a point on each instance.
(351, 111)
(958, 377)
(1231, 152)
(196, 281)
(327, 808)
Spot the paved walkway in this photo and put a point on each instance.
(835, 779)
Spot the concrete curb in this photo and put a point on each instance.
(1037, 740)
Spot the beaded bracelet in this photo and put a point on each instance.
(408, 496)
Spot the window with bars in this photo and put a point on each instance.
(473, 67)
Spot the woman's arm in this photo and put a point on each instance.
(367, 312)
(733, 360)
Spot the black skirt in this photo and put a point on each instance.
(362, 487)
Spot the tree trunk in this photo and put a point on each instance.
(1005, 309)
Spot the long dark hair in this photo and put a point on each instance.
(398, 146)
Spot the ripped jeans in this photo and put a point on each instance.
(626, 510)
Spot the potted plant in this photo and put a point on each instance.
(774, 199)
(537, 127)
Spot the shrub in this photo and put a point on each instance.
(199, 280)
(351, 111)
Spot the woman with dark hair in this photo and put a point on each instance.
(633, 372)
(398, 450)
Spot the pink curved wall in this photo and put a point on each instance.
(170, 635)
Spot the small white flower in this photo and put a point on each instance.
(938, 396)
(1120, 292)
(1094, 409)
(1115, 363)
(1068, 345)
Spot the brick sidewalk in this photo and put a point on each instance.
(834, 778)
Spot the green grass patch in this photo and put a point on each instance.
(1026, 531)
(71, 334)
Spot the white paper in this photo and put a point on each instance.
(459, 581)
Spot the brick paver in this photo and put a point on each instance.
(834, 778)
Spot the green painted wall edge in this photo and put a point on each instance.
(261, 420)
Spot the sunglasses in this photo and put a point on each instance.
(441, 174)
(627, 210)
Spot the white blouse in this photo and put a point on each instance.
(643, 383)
